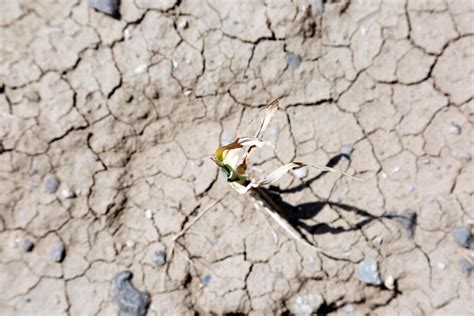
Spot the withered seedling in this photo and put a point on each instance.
(232, 160)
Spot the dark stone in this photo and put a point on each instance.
(131, 301)
(58, 252)
(27, 245)
(110, 7)
(463, 237)
(159, 258)
(52, 184)
(466, 266)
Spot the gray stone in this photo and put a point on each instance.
(110, 7)
(159, 258)
(463, 237)
(58, 252)
(206, 279)
(131, 301)
(294, 61)
(51, 184)
(319, 6)
(466, 266)
(368, 272)
(27, 245)
(455, 128)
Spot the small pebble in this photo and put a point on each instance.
(389, 282)
(125, 184)
(383, 175)
(27, 245)
(253, 87)
(455, 128)
(409, 188)
(199, 162)
(182, 24)
(441, 265)
(58, 252)
(187, 92)
(425, 160)
(377, 241)
(319, 6)
(52, 184)
(148, 214)
(159, 258)
(67, 194)
(466, 266)
(205, 280)
(463, 237)
(467, 157)
(350, 308)
(130, 243)
(300, 172)
(174, 63)
(141, 68)
(368, 272)
(294, 61)
(396, 169)
(126, 34)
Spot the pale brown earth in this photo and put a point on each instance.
(126, 112)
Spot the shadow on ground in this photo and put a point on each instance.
(296, 214)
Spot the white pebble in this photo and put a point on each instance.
(182, 24)
(141, 68)
(395, 169)
(425, 160)
(130, 243)
(389, 282)
(300, 172)
(377, 241)
(187, 92)
(441, 265)
(148, 213)
(67, 194)
(174, 63)
(455, 128)
(126, 34)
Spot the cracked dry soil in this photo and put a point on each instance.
(106, 126)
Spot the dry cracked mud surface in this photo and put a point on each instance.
(106, 126)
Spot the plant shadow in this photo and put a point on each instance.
(297, 214)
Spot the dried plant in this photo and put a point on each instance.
(232, 160)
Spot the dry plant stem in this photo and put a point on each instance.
(191, 223)
(279, 216)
